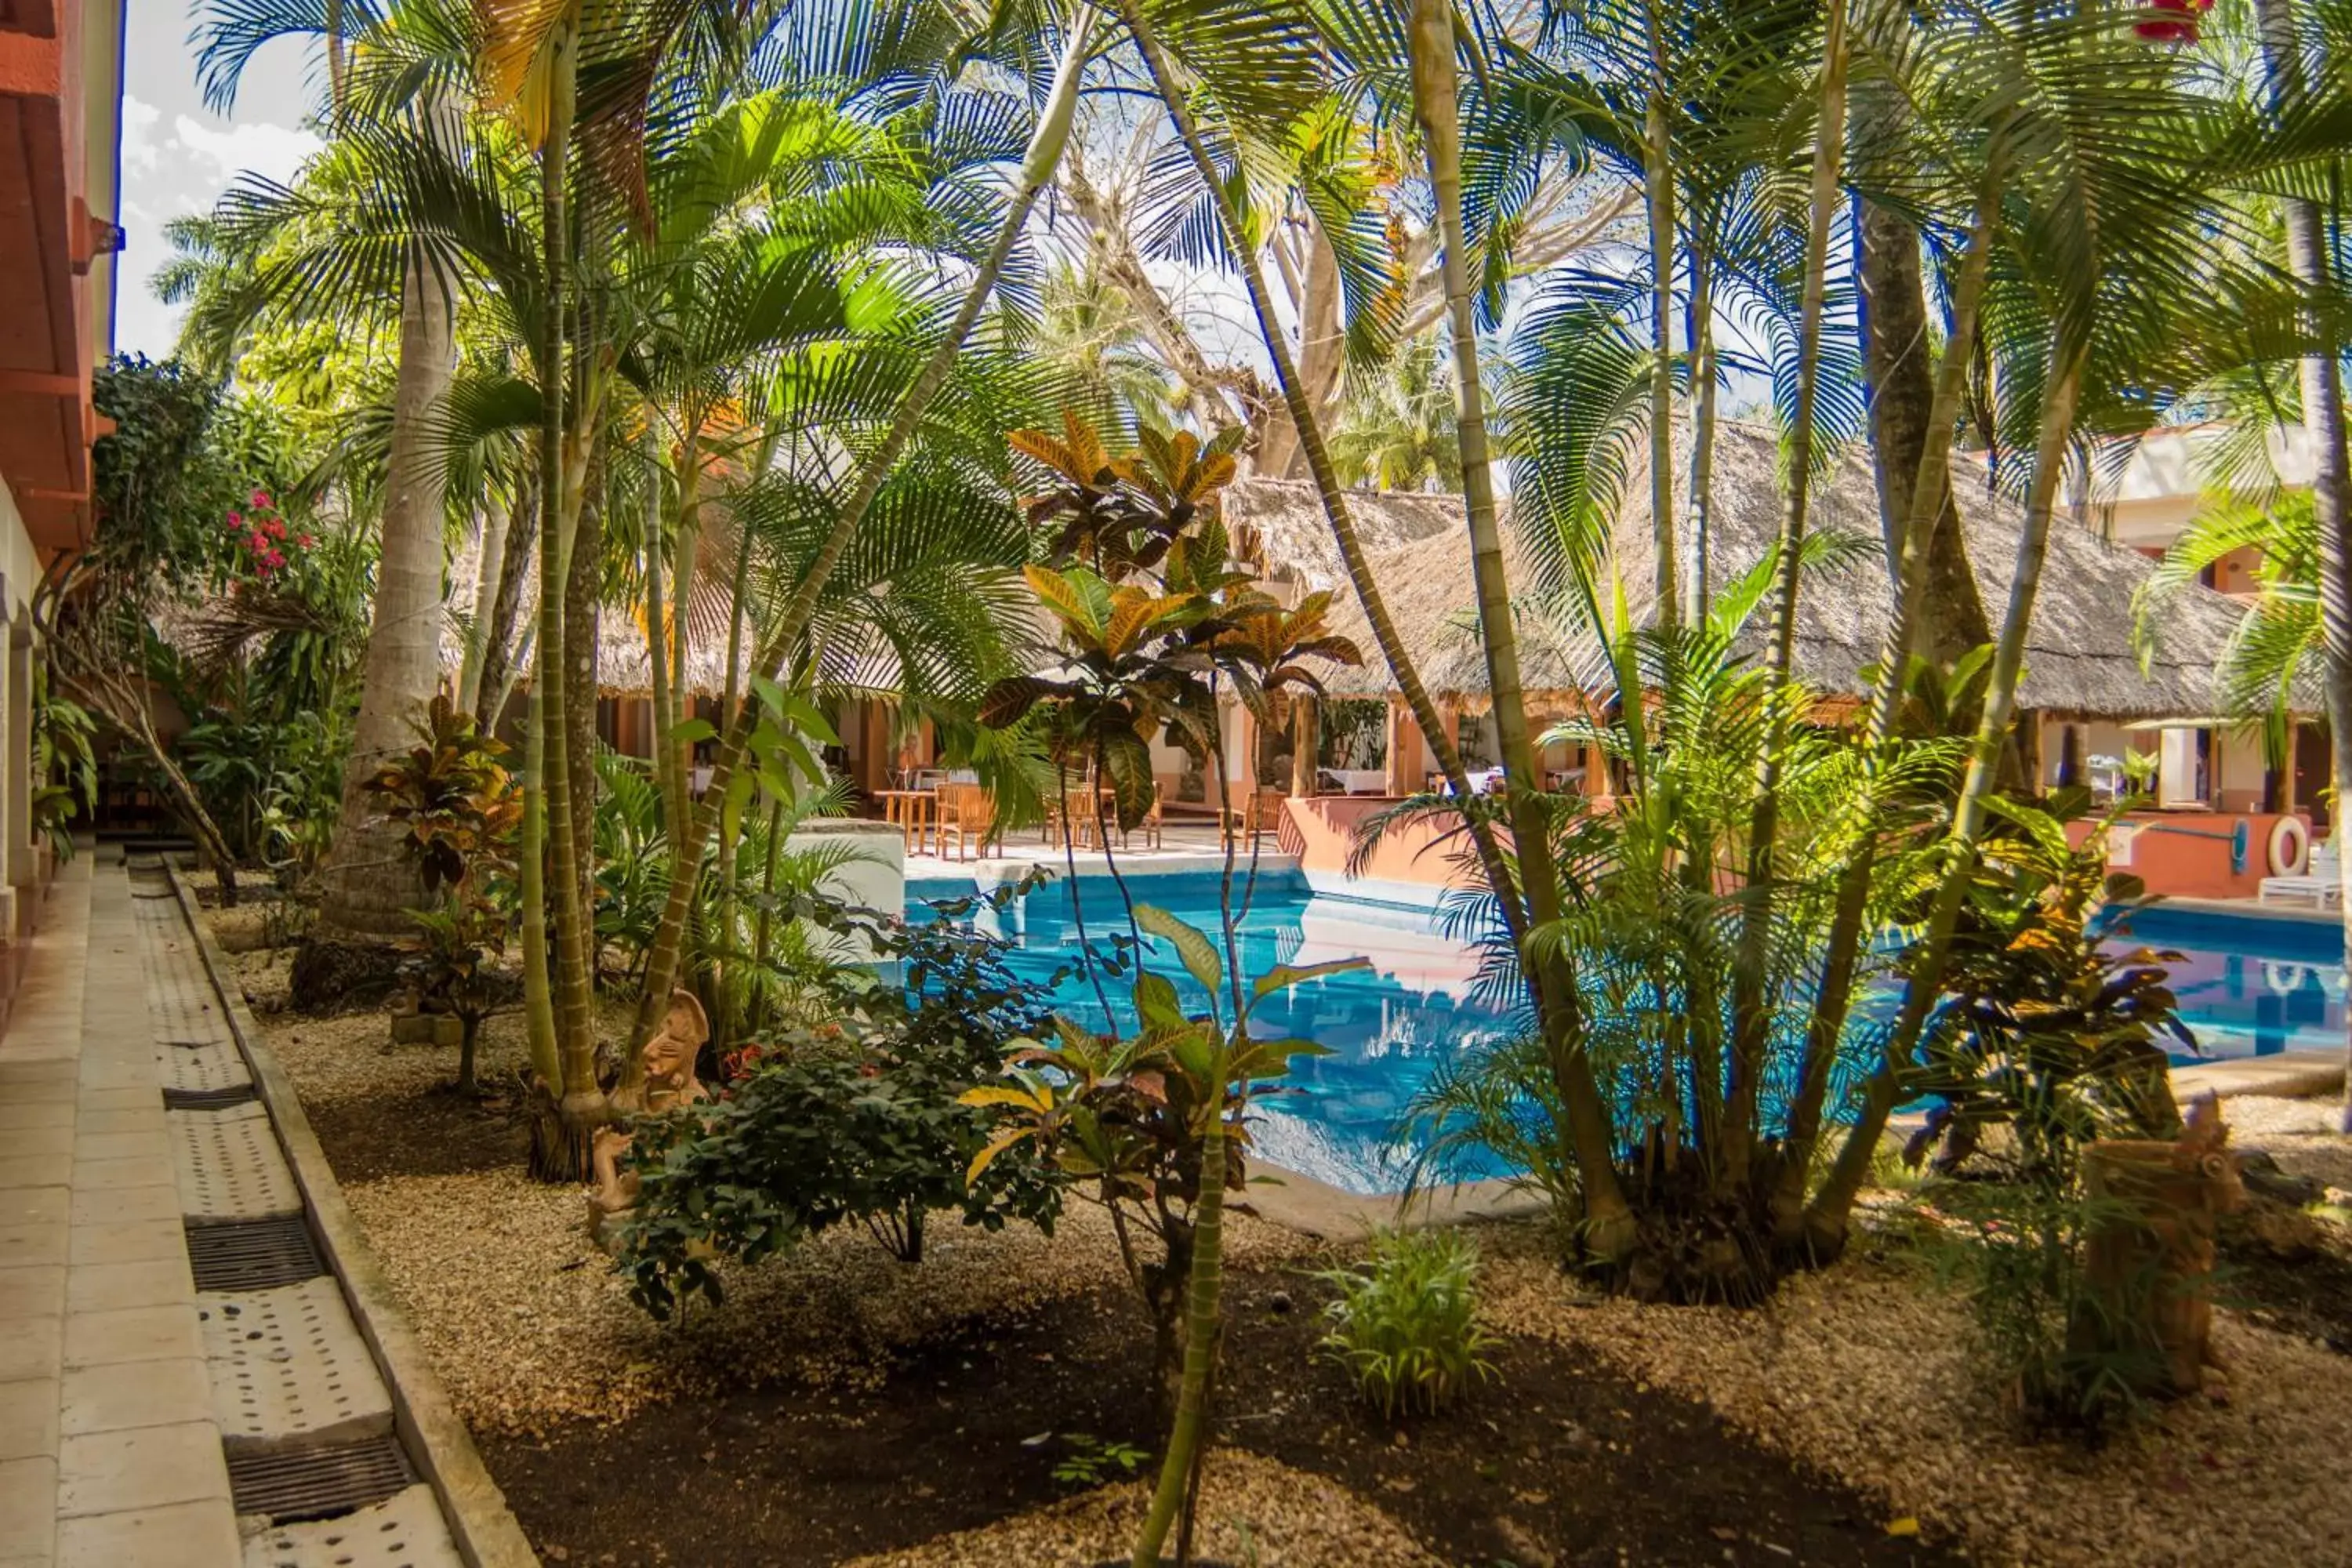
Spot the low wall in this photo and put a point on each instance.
(875, 879)
(2191, 854)
(2179, 854)
(1412, 862)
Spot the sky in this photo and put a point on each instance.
(178, 156)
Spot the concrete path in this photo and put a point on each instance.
(110, 1453)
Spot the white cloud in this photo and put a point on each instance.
(139, 149)
(273, 152)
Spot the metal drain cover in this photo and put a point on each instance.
(403, 1531)
(325, 1480)
(253, 1255)
(288, 1367)
(207, 1099)
(229, 1164)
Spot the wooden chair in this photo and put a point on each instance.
(968, 816)
(1260, 814)
(1151, 827)
(1072, 818)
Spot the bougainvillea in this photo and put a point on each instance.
(2170, 21)
(261, 539)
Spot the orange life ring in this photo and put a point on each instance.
(2290, 847)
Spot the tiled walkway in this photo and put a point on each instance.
(110, 1453)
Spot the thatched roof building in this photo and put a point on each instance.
(2080, 654)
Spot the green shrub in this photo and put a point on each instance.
(857, 1119)
(1405, 1323)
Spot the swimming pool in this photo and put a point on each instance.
(2248, 986)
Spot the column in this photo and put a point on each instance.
(18, 782)
(1404, 749)
(1306, 731)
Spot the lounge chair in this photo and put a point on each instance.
(2320, 885)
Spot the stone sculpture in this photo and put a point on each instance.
(668, 1058)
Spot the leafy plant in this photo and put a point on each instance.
(457, 969)
(860, 1118)
(2042, 1042)
(65, 763)
(1405, 1322)
(460, 808)
(1090, 1461)
(2039, 1029)
(456, 801)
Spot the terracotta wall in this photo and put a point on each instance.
(2177, 854)
(2188, 854)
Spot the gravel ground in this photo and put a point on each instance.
(1255, 1513)
(527, 1322)
(2303, 1135)
(1860, 1373)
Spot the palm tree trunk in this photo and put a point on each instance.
(1607, 1215)
(1203, 1328)
(1752, 1014)
(547, 811)
(1826, 1217)
(1044, 152)
(581, 693)
(498, 641)
(1696, 592)
(1895, 348)
(1327, 480)
(1928, 489)
(2331, 487)
(490, 561)
(1658, 195)
(368, 887)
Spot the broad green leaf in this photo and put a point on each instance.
(1156, 1003)
(1192, 946)
(1283, 976)
(694, 730)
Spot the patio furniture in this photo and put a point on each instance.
(2320, 885)
(968, 815)
(911, 810)
(1260, 814)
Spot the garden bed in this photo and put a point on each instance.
(840, 1408)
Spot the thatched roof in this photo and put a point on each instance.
(2079, 656)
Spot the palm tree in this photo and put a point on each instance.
(2321, 383)
(1043, 153)
(367, 886)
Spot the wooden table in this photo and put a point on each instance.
(914, 810)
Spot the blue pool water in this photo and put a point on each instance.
(2247, 987)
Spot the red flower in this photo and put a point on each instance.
(2170, 21)
(261, 499)
(235, 518)
(305, 540)
(274, 529)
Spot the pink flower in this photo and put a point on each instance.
(236, 518)
(261, 499)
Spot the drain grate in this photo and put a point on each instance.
(287, 1485)
(253, 1253)
(206, 1099)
